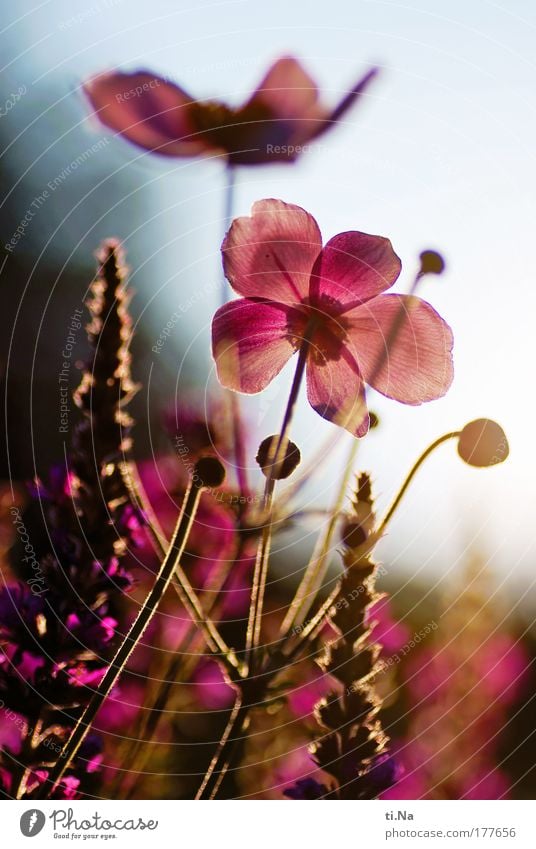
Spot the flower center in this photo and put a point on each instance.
(227, 127)
(323, 327)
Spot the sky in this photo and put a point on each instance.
(440, 154)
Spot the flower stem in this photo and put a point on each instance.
(193, 641)
(416, 466)
(215, 774)
(309, 585)
(222, 757)
(261, 563)
(131, 640)
(180, 583)
(238, 430)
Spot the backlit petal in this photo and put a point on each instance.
(404, 348)
(354, 267)
(146, 110)
(336, 391)
(270, 254)
(251, 342)
(288, 90)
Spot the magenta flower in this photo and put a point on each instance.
(282, 116)
(330, 299)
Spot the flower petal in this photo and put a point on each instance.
(349, 99)
(271, 253)
(404, 348)
(336, 391)
(354, 267)
(289, 91)
(251, 342)
(146, 110)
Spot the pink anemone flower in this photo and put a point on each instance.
(282, 116)
(330, 299)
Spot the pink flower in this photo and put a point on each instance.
(281, 116)
(329, 298)
(391, 634)
(211, 687)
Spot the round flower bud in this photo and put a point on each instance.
(353, 534)
(431, 263)
(208, 472)
(483, 443)
(374, 420)
(265, 458)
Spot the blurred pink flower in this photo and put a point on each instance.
(303, 697)
(281, 117)
(488, 785)
(294, 290)
(211, 688)
(391, 635)
(212, 537)
(504, 666)
(122, 706)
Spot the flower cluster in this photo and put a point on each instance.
(55, 643)
(352, 747)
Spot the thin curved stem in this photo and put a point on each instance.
(313, 626)
(131, 640)
(315, 570)
(214, 775)
(222, 757)
(416, 466)
(139, 499)
(191, 640)
(187, 595)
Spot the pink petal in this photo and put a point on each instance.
(288, 91)
(354, 267)
(271, 253)
(251, 342)
(418, 365)
(336, 391)
(146, 110)
(349, 99)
